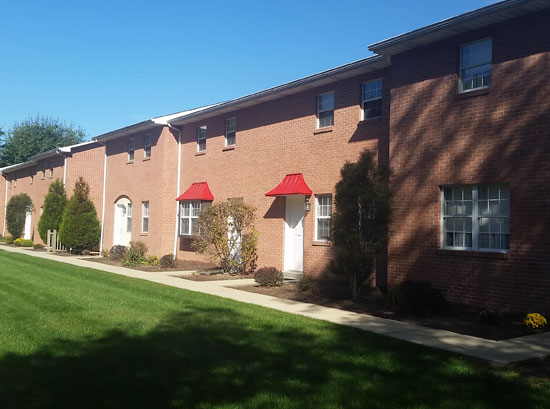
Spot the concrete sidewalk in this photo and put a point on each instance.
(502, 352)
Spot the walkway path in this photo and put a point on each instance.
(502, 352)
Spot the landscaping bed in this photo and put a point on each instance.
(459, 319)
(216, 276)
(181, 265)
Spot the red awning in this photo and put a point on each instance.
(197, 191)
(292, 184)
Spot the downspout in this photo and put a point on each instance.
(64, 166)
(5, 206)
(177, 188)
(103, 194)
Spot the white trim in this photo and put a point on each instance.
(103, 199)
(321, 217)
(177, 191)
(64, 170)
(235, 131)
(5, 208)
(133, 149)
(145, 146)
(461, 89)
(143, 216)
(371, 99)
(199, 128)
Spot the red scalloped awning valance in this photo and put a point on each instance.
(197, 191)
(292, 184)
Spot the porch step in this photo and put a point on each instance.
(293, 275)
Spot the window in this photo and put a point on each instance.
(230, 131)
(15, 182)
(51, 168)
(144, 217)
(323, 214)
(372, 99)
(43, 171)
(129, 219)
(201, 138)
(32, 179)
(325, 110)
(147, 147)
(130, 149)
(476, 217)
(189, 213)
(475, 65)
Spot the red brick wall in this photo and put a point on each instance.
(276, 138)
(152, 179)
(440, 138)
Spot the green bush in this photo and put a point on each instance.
(167, 261)
(421, 297)
(8, 240)
(80, 228)
(305, 284)
(153, 261)
(118, 252)
(52, 211)
(105, 253)
(16, 211)
(17, 242)
(269, 277)
(27, 243)
(38, 246)
(136, 254)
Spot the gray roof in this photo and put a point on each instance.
(482, 17)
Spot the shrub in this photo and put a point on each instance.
(305, 284)
(135, 254)
(227, 233)
(2, 239)
(167, 261)
(486, 316)
(360, 221)
(52, 211)
(105, 253)
(535, 321)
(17, 242)
(8, 240)
(391, 299)
(26, 243)
(86, 252)
(16, 211)
(80, 227)
(269, 277)
(421, 297)
(118, 252)
(38, 246)
(153, 261)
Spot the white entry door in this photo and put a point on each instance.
(28, 230)
(121, 236)
(294, 233)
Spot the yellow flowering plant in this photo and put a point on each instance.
(535, 321)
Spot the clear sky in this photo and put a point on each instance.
(103, 65)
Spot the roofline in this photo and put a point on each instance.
(140, 126)
(384, 47)
(383, 61)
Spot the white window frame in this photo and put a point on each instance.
(234, 131)
(190, 216)
(43, 171)
(129, 218)
(461, 68)
(144, 216)
(51, 168)
(365, 100)
(147, 146)
(476, 216)
(201, 136)
(318, 217)
(320, 111)
(131, 150)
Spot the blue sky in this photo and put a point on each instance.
(103, 65)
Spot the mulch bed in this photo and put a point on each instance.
(216, 276)
(460, 319)
(181, 265)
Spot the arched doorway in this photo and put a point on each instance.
(123, 222)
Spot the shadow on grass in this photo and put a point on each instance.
(216, 357)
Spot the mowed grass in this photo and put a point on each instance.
(80, 338)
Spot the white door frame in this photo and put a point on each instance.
(294, 233)
(120, 234)
(28, 225)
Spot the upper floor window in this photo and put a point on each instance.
(475, 65)
(147, 146)
(230, 131)
(131, 149)
(51, 167)
(43, 172)
(201, 138)
(32, 179)
(144, 217)
(323, 214)
(189, 213)
(476, 217)
(129, 218)
(372, 99)
(325, 110)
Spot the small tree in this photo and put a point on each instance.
(16, 211)
(80, 227)
(227, 232)
(52, 211)
(360, 223)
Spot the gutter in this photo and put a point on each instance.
(177, 188)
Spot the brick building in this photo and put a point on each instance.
(459, 109)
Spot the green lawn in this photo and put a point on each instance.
(79, 338)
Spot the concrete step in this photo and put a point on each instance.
(293, 275)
